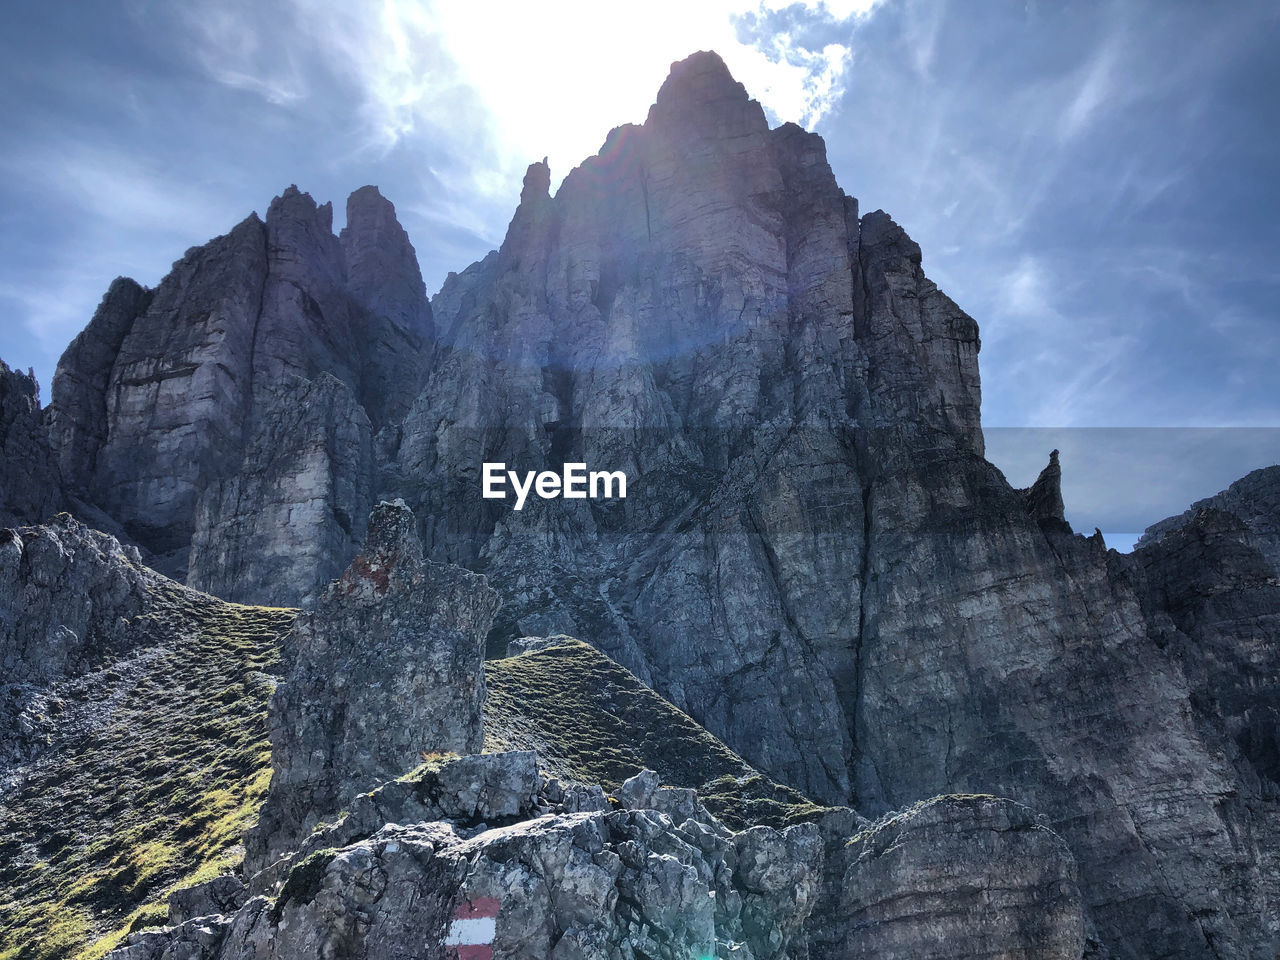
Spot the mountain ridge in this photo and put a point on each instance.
(818, 566)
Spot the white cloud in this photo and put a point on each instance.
(1095, 89)
(923, 25)
(838, 10)
(241, 57)
(1027, 291)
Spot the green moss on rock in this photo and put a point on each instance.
(591, 720)
(155, 797)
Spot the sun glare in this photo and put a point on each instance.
(556, 78)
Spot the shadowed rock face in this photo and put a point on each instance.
(30, 485)
(163, 406)
(814, 560)
(387, 666)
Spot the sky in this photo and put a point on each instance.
(1095, 182)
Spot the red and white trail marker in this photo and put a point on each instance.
(471, 934)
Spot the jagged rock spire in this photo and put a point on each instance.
(1044, 497)
(388, 665)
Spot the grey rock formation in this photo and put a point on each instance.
(814, 560)
(1215, 599)
(162, 406)
(217, 897)
(384, 280)
(30, 483)
(78, 415)
(649, 875)
(382, 267)
(1027, 674)
(681, 310)
(469, 791)
(66, 593)
(1254, 499)
(295, 509)
(1211, 592)
(177, 395)
(1044, 497)
(71, 599)
(975, 876)
(387, 666)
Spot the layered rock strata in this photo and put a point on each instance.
(974, 876)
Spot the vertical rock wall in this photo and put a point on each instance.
(198, 416)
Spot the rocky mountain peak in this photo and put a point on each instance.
(300, 240)
(537, 181)
(1044, 498)
(382, 266)
(528, 237)
(814, 560)
(881, 230)
(295, 204)
(701, 98)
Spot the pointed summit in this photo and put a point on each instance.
(382, 267)
(701, 76)
(526, 239)
(1044, 498)
(297, 205)
(537, 181)
(700, 98)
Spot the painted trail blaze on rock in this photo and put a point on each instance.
(471, 934)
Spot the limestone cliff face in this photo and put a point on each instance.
(814, 560)
(292, 514)
(696, 307)
(159, 402)
(1210, 585)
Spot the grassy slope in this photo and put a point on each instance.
(157, 795)
(591, 720)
